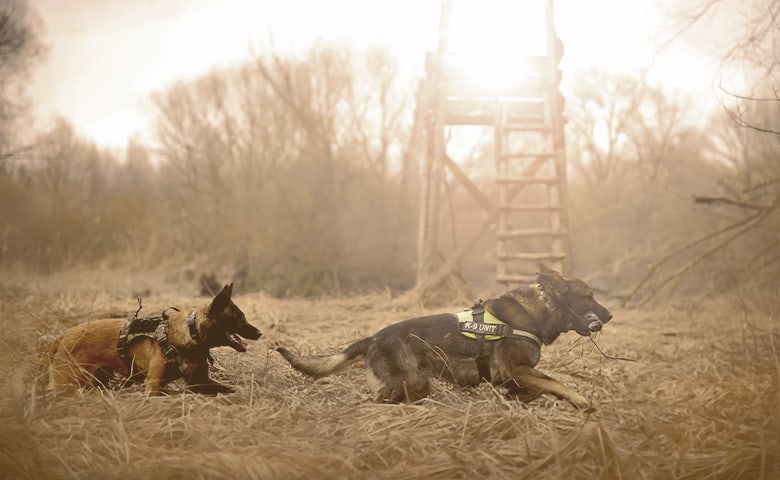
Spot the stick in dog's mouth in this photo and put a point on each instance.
(594, 322)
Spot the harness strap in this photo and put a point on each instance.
(156, 328)
(121, 345)
(483, 361)
(161, 334)
(482, 326)
(492, 329)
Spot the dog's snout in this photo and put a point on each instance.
(591, 317)
(594, 322)
(250, 332)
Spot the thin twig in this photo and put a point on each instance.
(729, 201)
(610, 356)
(135, 315)
(756, 219)
(761, 185)
(688, 245)
(737, 116)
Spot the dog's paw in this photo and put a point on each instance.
(212, 389)
(580, 402)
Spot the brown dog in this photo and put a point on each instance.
(499, 341)
(161, 349)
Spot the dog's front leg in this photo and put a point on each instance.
(199, 381)
(527, 383)
(154, 376)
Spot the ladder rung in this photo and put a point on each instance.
(526, 127)
(526, 279)
(531, 232)
(529, 180)
(529, 208)
(532, 256)
(469, 119)
(533, 87)
(522, 155)
(488, 119)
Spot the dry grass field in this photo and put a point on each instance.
(700, 401)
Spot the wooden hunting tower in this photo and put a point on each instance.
(526, 205)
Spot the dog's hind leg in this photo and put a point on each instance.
(527, 383)
(393, 372)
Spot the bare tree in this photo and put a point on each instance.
(741, 245)
(619, 126)
(295, 156)
(637, 155)
(20, 48)
(748, 51)
(601, 111)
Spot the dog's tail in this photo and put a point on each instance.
(318, 366)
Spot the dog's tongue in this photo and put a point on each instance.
(236, 342)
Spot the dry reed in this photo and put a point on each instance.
(700, 402)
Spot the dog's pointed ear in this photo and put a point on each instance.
(545, 269)
(551, 281)
(221, 301)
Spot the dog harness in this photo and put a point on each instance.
(477, 321)
(156, 328)
(481, 325)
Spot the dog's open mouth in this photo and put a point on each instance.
(236, 342)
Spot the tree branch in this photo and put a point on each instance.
(737, 116)
(729, 201)
(761, 185)
(755, 220)
(691, 244)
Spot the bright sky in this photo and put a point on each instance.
(107, 56)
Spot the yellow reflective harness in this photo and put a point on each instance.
(481, 325)
(490, 327)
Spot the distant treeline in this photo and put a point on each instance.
(293, 175)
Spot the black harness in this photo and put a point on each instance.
(478, 329)
(483, 363)
(156, 328)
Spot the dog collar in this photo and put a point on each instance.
(491, 328)
(193, 327)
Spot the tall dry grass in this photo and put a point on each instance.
(699, 402)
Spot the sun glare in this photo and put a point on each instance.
(112, 128)
(489, 42)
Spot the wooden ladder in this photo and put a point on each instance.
(530, 162)
(532, 189)
(530, 212)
